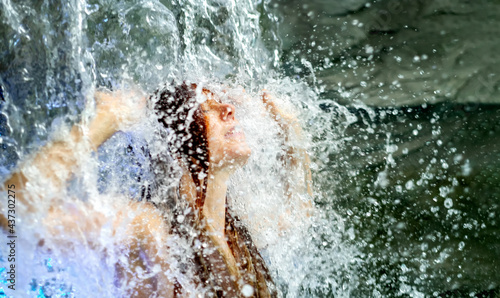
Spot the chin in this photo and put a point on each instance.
(245, 155)
(239, 156)
(233, 158)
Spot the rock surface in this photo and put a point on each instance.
(417, 173)
(395, 52)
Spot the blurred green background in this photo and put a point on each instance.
(417, 173)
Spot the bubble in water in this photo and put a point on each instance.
(247, 290)
(448, 203)
(409, 185)
(466, 168)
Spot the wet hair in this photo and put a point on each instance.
(185, 131)
(180, 114)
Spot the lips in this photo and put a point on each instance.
(234, 132)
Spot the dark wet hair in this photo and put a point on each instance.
(181, 115)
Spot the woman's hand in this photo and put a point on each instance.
(291, 131)
(295, 157)
(124, 107)
(285, 121)
(115, 111)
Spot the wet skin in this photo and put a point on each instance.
(226, 141)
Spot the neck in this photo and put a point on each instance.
(214, 209)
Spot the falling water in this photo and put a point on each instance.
(405, 179)
(55, 53)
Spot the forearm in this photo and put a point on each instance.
(52, 165)
(294, 158)
(297, 178)
(298, 184)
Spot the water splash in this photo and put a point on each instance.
(58, 53)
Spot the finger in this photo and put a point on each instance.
(270, 105)
(104, 98)
(267, 99)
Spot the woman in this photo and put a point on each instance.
(206, 143)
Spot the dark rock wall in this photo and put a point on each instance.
(395, 52)
(417, 175)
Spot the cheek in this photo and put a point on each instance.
(216, 144)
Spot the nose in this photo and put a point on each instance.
(227, 111)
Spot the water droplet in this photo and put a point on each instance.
(409, 185)
(369, 49)
(466, 168)
(247, 290)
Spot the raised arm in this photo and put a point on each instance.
(54, 163)
(295, 158)
(138, 228)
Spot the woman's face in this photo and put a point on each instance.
(226, 141)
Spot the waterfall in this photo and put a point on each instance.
(56, 53)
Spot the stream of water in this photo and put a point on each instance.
(398, 209)
(55, 53)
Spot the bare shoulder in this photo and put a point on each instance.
(146, 233)
(142, 220)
